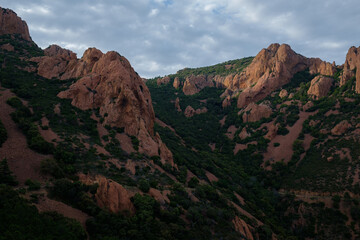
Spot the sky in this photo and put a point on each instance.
(160, 37)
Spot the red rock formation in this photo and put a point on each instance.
(190, 111)
(244, 134)
(8, 47)
(341, 128)
(176, 83)
(352, 62)
(243, 228)
(283, 93)
(320, 87)
(10, 23)
(177, 105)
(272, 68)
(110, 195)
(164, 80)
(110, 83)
(195, 84)
(254, 112)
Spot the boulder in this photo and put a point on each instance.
(190, 111)
(283, 93)
(176, 83)
(163, 81)
(110, 195)
(341, 128)
(320, 87)
(254, 112)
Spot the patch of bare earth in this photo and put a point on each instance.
(284, 151)
(222, 121)
(241, 147)
(161, 197)
(212, 146)
(49, 135)
(23, 162)
(45, 205)
(125, 143)
(211, 177)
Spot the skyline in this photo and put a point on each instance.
(160, 37)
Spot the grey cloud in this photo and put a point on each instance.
(161, 36)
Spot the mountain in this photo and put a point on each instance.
(238, 150)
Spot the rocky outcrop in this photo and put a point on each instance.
(272, 132)
(351, 64)
(254, 112)
(177, 105)
(243, 228)
(163, 81)
(244, 134)
(272, 68)
(283, 93)
(10, 23)
(341, 128)
(195, 84)
(112, 85)
(176, 83)
(190, 111)
(110, 195)
(320, 87)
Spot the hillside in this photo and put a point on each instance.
(254, 148)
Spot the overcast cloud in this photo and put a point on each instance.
(160, 37)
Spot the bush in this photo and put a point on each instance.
(3, 134)
(144, 185)
(32, 185)
(6, 176)
(50, 166)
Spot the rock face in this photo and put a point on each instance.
(272, 68)
(176, 83)
(10, 23)
(320, 87)
(177, 105)
(243, 228)
(190, 111)
(195, 84)
(108, 82)
(163, 81)
(352, 62)
(341, 128)
(110, 195)
(254, 112)
(244, 134)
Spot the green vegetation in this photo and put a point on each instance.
(225, 68)
(3, 134)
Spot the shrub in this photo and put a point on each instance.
(32, 185)
(144, 185)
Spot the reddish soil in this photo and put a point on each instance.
(23, 162)
(231, 132)
(240, 147)
(211, 177)
(125, 143)
(49, 135)
(344, 153)
(240, 198)
(45, 205)
(189, 175)
(130, 165)
(284, 151)
(161, 197)
(335, 112)
(247, 214)
(212, 146)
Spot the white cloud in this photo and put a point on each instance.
(153, 12)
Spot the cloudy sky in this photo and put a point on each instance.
(160, 37)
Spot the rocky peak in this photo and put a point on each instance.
(108, 82)
(10, 23)
(57, 51)
(272, 68)
(352, 62)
